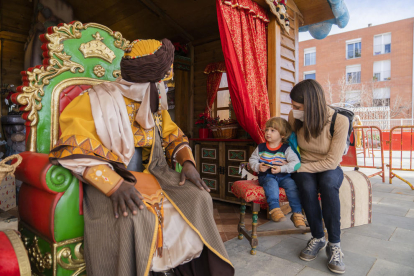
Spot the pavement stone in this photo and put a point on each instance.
(410, 213)
(308, 271)
(403, 191)
(386, 268)
(396, 202)
(261, 264)
(376, 199)
(400, 222)
(383, 187)
(390, 209)
(400, 197)
(391, 251)
(403, 236)
(356, 264)
(374, 230)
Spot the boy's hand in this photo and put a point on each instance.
(263, 167)
(276, 170)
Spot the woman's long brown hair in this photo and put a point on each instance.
(310, 93)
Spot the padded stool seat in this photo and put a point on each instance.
(249, 191)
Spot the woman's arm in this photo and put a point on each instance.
(336, 149)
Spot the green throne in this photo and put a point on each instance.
(76, 56)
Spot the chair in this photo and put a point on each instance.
(76, 56)
(249, 191)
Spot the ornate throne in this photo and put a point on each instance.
(76, 56)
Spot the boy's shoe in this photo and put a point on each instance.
(277, 215)
(298, 220)
(335, 255)
(312, 249)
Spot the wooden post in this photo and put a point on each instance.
(273, 66)
(254, 242)
(242, 214)
(191, 113)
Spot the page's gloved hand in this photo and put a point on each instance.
(189, 172)
(126, 195)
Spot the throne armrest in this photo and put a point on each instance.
(34, 169)
(50, 199)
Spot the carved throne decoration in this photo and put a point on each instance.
(76, 56)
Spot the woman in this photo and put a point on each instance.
(320, 172)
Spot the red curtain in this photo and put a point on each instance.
(242, 25)
(214, 72)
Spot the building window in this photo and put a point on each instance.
(221, 106)
(310, 56)
(353, 74)
(381, 97)
(309, 75)
(382, 44)
(382, 70)
(353, 48)
(353, 98)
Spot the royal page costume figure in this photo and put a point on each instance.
(117, 136)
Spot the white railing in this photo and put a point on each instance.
(388, 124)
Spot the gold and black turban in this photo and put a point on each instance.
(148, 61)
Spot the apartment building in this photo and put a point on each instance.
(368, 67)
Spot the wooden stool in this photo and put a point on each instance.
(249, 191)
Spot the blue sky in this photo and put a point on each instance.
(363, 12)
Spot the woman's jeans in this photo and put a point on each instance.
(271, 183)
(328, 184)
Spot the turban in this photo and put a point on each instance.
(148, 61)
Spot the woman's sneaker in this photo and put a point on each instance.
(312, 249)
(335, 255)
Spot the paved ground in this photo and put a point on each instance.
(385, 247)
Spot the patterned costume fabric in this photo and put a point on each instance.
(251, 191)
(90, 144)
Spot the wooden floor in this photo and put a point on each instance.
(227, 217)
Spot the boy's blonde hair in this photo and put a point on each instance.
(280, 125)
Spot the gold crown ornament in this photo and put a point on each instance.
(96, 48)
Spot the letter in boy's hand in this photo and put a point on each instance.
(263, 167)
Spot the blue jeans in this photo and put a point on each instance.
(271, 183)
(328, 184)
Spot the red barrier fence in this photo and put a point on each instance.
(366, 141)
(402, 141)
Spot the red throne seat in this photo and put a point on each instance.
(251, 191)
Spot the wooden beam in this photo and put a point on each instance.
(296, 25)
(205, 40)
(273, 65)
(191, 119)
(13, 36)
(314, 11)
(161, 14)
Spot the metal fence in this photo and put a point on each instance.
(401, 151)
(387, 124)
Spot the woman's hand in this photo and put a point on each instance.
(276, 170)
(279, 162)
(263, 167)
(126, 195)
(189, 172)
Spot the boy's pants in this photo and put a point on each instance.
(271, 183)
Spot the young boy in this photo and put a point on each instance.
(274, 161)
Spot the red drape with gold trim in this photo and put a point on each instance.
(214, 72)
(242, 25)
